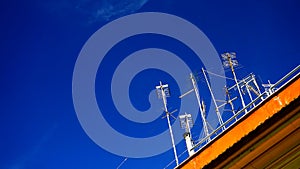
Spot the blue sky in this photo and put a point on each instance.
(40, 43)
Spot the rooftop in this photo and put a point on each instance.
(266, 136)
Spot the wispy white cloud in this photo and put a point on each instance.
(95, 10)
(111, 10)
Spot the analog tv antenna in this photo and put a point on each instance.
(163, 92)
(229, 61)
(200, 104)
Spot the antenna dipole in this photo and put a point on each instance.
(205, 128)
(163, 88)
(214, 100)
(201, 105)
(227, 57)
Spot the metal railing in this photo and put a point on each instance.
(261, 97)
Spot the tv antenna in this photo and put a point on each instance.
(228, 101)
(164, 92)
(214, 100)
(251, 86)
(229, 61)
(200, 104)
(186, 122)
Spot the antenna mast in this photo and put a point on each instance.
(201, 106)
(230, 101)
(227, 57)
(214, 100)
(202, 111)
(163, 92)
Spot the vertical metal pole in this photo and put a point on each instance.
(248, 91)
(205, 128)
(230, 102)
(169, 123)
(256, 85)
(214, 100)
(172, 138)
(235, 79)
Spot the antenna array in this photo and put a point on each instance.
(248, 91)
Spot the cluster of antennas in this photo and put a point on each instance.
(248, 92)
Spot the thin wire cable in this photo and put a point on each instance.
(219, 75)
(174, 159)
(122, 163)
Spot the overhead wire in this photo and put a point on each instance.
(219, 75)
(174, 159)
(122, 163)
